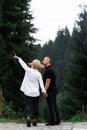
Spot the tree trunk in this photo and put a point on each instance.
(1, 101)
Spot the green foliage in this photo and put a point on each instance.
(16, 29)
(68, 53)
(13, 120)
(75, 119)
(4, 120)
(74, 91)
(69, 56)
(78, 118)
(8, 111)
(57, 50)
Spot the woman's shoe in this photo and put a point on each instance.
(34, 123)
(28, 122)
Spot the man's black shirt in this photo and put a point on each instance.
(50, 74)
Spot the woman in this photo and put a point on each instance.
(30, 87)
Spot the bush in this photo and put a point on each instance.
(78, 118)
(8, 111)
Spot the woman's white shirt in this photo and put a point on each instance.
(32, 81)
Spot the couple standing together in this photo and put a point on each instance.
(30, 87)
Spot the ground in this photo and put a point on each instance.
(41, 126)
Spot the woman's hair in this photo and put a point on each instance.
(37, 64)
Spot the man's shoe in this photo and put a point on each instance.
(57, 122)
(28, 122)
(50, 124)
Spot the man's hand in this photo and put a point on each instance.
(44, 94)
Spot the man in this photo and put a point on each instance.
(50, 86)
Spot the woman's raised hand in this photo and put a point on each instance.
(15, 57)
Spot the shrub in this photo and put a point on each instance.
(8, 111)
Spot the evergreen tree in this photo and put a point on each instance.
(16, 31)
(61, 44)
(48, 49)
(74, 92)
(2, 45)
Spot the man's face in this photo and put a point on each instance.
(45, 61)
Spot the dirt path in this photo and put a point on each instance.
(41, 126)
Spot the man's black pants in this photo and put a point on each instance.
(53, 108)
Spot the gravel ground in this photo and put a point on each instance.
(41, 126)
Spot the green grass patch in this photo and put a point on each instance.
(78, 118)
(17, 120)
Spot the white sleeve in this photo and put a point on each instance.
(41, 84)
(24, 65)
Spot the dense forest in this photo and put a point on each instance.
(68, 53)
(16, 29)
(69, 56)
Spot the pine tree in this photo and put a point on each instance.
(74, 92)
(61, 44)
(16, 31)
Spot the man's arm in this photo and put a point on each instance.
(47, 83)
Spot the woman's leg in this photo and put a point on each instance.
(35, 101)
(28, 101)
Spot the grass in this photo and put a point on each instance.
(18, 120)
(78, 118)
(74, 119)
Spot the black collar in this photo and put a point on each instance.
(48, 67)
